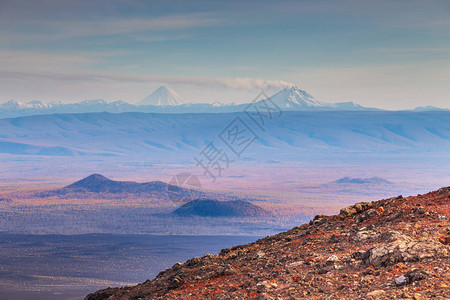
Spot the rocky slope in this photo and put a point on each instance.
(395, 248)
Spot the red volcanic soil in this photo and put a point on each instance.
(395, 248)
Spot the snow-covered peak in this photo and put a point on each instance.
(92, 102)
(12, 104)
(163, 96)
(295, 98)
(15, 105)
(37, 104)
(221, 104)
(429, 108)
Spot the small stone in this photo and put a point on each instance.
(401, 248)
(362, 206)
(264, 285)
(376, 293)
(415, 275)
(263, 297)
(333, 239)
(320, 216)
(260, 254)
(347, 212)
(295, 264)
(333, 258)
(380, 209)
(400, 280)
(445, 240)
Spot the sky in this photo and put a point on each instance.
(388, 54)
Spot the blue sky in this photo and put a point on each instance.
(389, 54)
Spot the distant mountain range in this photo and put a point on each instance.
(215, 208)
(165, 136)
(97, 186)
(97, 183)
(371, 180)
(430, 108)
(165, 100)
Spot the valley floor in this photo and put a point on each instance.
(48, 267)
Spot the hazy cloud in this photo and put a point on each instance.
(242, 83)
(54, 30)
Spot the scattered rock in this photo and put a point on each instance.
(400, 280)
(367, 215)
(193, 262)
(358, 255)
(320, 216)
(410, 277)
(376, 294)
(259, 254)
(333, 239)
(347, 212)
(174, 282)
(416, 275)
(263, 297)
(265, 285)
(350, 211)
(362, 206)
(401, 248)
(332, 259)
(445, 240)
(363, 235)
(444, 190)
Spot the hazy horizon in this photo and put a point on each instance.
(349, 51)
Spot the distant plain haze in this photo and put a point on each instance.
(386, 54)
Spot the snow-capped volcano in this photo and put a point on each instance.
(162, 97)
(295, 98)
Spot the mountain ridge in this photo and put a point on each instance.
(165, 100)
(101, 186)
(371, 180)
(159, 134)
